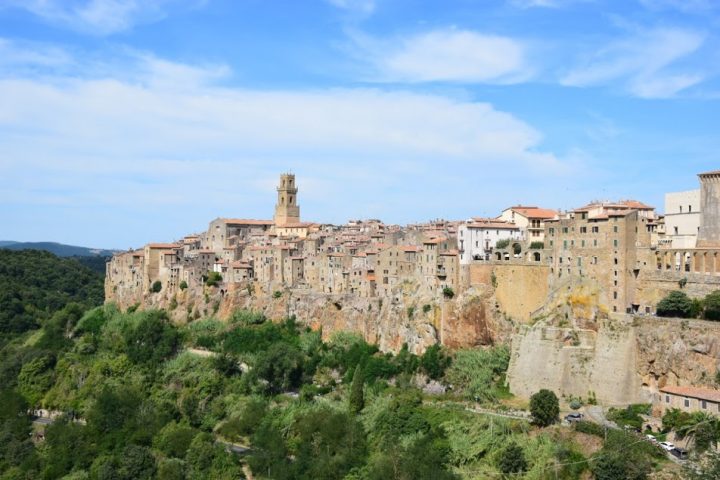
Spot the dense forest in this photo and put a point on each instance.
(133, 396)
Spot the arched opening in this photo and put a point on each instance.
(536, 256)
(499, 255)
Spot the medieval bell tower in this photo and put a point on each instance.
(287, 210)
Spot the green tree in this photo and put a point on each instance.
(156, 286)
(171, 469)
(675, 304)
(281, 367)
(183, 285)
(434, 362)
(712, 306)
(609, 467)
(357, 396)
(544, 407)
(512, 459)
(174, 439)
(213, 279)
(137, 463)
(152, 340)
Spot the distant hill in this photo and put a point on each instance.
(34, 284)
(58, 249)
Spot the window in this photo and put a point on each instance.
(615, 229)
(615, 243)
(583, 229)
(565, 244)
(687, 400)
(680, 208)
(595, 242)
(565, 230)
(595, 229)
(551, 231)
(551, 243)
(579, 261)
(703, 404)
(615, 295)
(689, 211)
(616, 261)
(667, 398)
(582, 243)
(676, 230)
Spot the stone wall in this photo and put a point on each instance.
(654, 285)
(521, 289)
(625, 361)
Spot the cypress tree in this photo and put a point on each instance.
(357, 398)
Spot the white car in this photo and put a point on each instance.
(667, 446)
(651, 438)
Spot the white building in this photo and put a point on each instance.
(530, 220)
(477, 238)
(682, 219)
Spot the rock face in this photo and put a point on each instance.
(467, 320)
(624, 360)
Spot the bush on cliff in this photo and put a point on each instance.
(712, 306)
(675, 304)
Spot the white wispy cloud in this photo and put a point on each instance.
(99, 17)
(361, 6)
(129, 143)
(445, 55)
(645, 64)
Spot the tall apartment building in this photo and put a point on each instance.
(605, 246)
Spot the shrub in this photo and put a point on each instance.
(576, 403)
(156, 286)
(512, 459)
(544, 407)
(427, 308)
(712, 306)
(410, 312)
(183, 285)
(503, 243)
(448, 292)
(478, 373)
(277, 294)
(590, 428)
(434, 362)
(675, 304)
(213, 279)
(537, 245)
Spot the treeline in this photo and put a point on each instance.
(35, 284)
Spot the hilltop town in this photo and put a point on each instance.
(465, 283)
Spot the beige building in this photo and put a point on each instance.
(690, 399)
(530, 220)
(682, 219)
(478, 237)
(605, 247)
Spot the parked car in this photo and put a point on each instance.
(651, 438)
(680, 453)
(667, 446)
(574, 417)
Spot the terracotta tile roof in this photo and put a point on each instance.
(246, 221)
(450, 253)
(240, 265)
(435, 240)
(637, 205)
(714, 172)
(411, 248)
(163, 246)
(535, 212)
(695, 392)
(206, 252)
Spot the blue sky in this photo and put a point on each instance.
(129, 121)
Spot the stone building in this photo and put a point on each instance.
(709, 233)
(287, 211)
(604, 246)
(690, 399)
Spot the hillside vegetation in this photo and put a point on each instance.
(35, 284)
